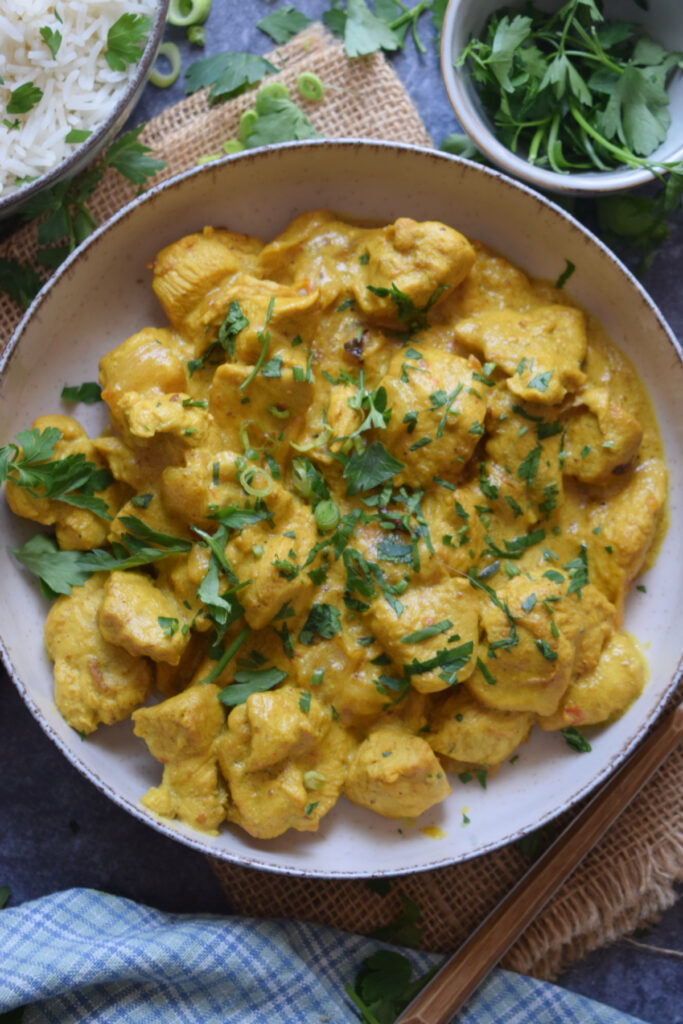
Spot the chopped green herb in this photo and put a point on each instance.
(576, 740)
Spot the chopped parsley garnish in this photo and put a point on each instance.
(576, 740)
(88, 392)
(170, 626)
(578, 571)
(488, 676)
(248, 681)
(528, 467)
(24, 98)
(427, 632)
(546, 650)
(323, 622)
(126, 40)
(369, 468)
(566, 274)
(541, 381)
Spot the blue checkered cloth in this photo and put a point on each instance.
(81, 956)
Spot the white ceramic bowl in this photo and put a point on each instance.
(116, 118)
(102, 294)
(465, 18)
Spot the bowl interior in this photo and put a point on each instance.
(103, 294)
(466, 18)
(102, 136)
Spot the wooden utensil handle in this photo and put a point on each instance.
(469, 965)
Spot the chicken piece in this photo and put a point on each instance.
(284, 393)
(468, 732)
(311, 252)
(450, 608)
(627, 528)
(272, 557)
(532, 666)
(94, 680)
(493, 283)
(523, 464)
(395, 555)
(590, 619)
(238, 314)
(349, 678)
(152, 417)
(411, 264)
(605, 692)
(187, 270)
(77, 529)
(283, 758)
(172, 679)
(541, 349)
(395, 774)
(207, 480)
(138, 616)
(150, 360)
(433, 399)
(456, 529)
(601, 439)
(182, 732)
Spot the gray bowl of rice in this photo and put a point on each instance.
(67, 85)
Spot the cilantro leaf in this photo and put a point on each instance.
(228, 74)
(284, 23)
(367, 469)
(126, 40)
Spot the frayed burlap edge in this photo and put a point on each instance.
(628, 880)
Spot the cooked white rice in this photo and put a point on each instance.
(79, 88)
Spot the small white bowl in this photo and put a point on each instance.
(466, 18)
(82, 155)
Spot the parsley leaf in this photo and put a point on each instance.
(89, 392)
(323, 621)
(126, 40)
(228, 74)
(72, 479)
(248, 681)
(367, 469)
(24, 98)
(20, 281)
(284, 23)
(52, 39)
(279, 120)
(576, 740)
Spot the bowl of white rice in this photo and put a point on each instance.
(70, 74)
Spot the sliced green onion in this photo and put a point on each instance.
(317, 677)
(188, 12)
(280, 414)
(314, 780)
(247, 475)
(325, 435)
(257, 550)
(310, 86)
(208, 157)
(326, 514)
(247, 122)
(196, 35)
(232, 146)
(272, 91)
(171, 53)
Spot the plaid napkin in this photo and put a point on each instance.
(81, 956)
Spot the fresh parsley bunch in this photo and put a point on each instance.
(574, 93)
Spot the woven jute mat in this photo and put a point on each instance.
(629, 878)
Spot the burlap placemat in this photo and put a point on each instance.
(629, 879)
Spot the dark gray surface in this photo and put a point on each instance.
(59, 831)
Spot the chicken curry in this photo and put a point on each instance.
(367, 512)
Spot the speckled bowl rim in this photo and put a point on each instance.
(71, 165)
(472, 121)
(167, 828)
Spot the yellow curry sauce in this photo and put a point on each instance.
(413, 488)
